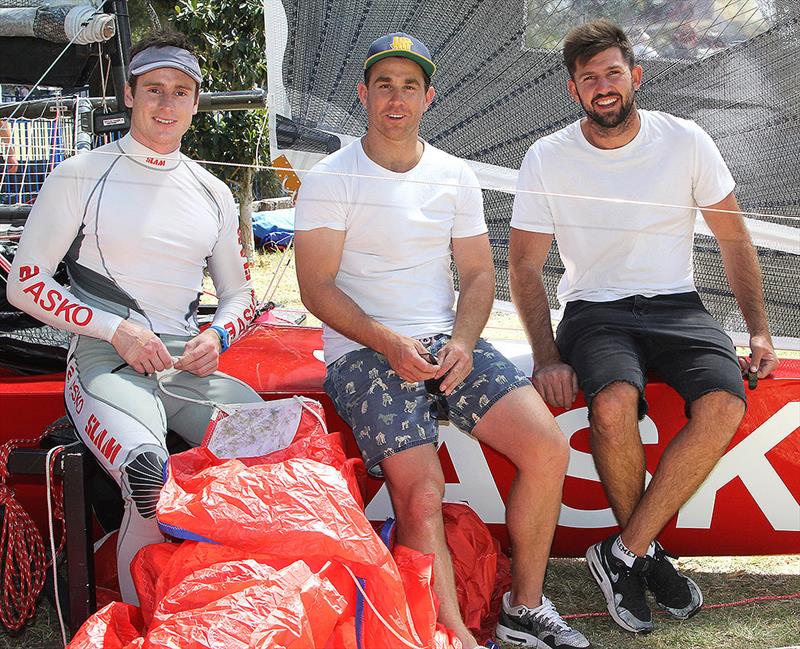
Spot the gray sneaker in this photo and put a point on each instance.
(623, 587)
(540, 627)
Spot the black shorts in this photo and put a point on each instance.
(672, 335)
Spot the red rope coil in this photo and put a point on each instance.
(23, 570)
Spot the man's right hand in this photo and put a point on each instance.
(557, 383)
(140, 348)
(406, 356)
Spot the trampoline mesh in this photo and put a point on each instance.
(730, 65)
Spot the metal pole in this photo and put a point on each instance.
(120, 50)
(209, 101)
(83, 128)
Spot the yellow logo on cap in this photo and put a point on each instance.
(402, 43)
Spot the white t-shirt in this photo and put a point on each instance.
(615, 250)
(398, 228)
(137, 231)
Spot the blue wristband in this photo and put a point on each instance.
(224, 337)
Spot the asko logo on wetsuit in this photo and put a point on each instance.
(53, 301)
(235, 329)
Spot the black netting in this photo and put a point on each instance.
(25, 60)
(27, 345)
(728, 64)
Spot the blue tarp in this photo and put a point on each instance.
(274, 228)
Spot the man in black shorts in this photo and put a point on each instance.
(631, 304)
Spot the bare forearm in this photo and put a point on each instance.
(530, 298)
(744, 276)
(336, 309)
(475, 301)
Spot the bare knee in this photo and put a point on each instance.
(417, 502)
(719, 413)
(546, 447)
(522, 428)
(614, 414)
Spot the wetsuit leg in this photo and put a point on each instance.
(123, 418)
(119, 416)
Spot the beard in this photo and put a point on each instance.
(611, 120)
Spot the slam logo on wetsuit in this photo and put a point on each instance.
(156, 162)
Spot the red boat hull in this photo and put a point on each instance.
(749, 504)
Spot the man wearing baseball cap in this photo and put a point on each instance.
(138, 223)
(377, 224)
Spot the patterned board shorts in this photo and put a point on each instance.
(389, 415)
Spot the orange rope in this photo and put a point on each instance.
(24, 565)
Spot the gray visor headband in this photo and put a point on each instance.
(168, 56)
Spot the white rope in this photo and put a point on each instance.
(54, 558)
(304, 405)
(171, 372)
(377, 614)
(505, 189)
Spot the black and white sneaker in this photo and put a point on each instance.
(540, 627)
(623, 587)
(675, 592)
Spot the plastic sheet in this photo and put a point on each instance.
(115, 626)
(482, 571)
(284, 541)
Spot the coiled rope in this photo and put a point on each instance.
(24, 565)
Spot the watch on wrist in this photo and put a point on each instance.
(224, 336)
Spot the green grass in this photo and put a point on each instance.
(42, 632)
(759, 625)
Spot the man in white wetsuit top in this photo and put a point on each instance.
(137, 223)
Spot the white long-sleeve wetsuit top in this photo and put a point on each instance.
(137, 229)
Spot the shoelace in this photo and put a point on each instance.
(667, 576)
(548, 617)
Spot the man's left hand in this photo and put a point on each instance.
(201, 354)
(455, 364)
(762, 357)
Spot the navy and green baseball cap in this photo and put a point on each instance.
(400, 44)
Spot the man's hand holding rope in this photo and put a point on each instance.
(201, 354)
(140, 348)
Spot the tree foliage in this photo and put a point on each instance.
(139, 15)
(229, 40)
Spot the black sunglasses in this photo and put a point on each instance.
(440, 410)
